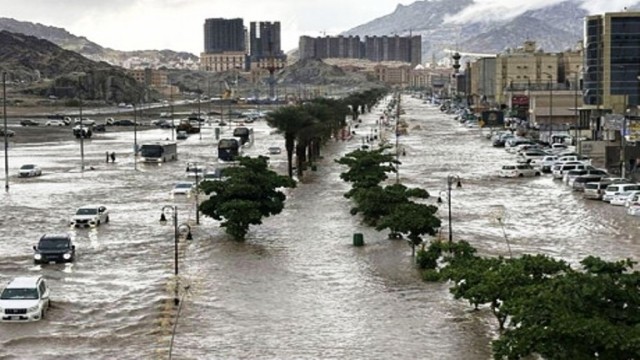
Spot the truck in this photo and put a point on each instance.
(190, 127)
(228, 149)
(159, 152)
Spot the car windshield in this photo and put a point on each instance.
(27, 167)
(507, 167)
(53, 244)
(19, 294)
(183, 185)
(87, 211)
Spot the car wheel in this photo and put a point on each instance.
(42, 314)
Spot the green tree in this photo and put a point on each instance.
(589, 314)
(375, 202)
(368, 168)
(413, 219)
(289, 120)
(249, 193)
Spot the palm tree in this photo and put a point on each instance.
(289, 120)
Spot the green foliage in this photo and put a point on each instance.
(376, 202)
(413, 219)
(249, 193)
(367, 168)
(428, 259)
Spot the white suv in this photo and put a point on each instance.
(90, 215)
(25, 299)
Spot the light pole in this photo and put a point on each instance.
(6, 136)
(195, 165)
(450, 180)
(550, 104)
(173, 210)
(199, 121)
(135, 138)
(81, 131)
(397, 139)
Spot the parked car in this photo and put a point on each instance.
(616, 189)
(182, 135)
(633, 198)
(274, 150)
(579, 183)
(214, 175)
(25, 299)
(90, 215)
(29, 122)
(29, 170)
(100, 128)
(595, 190)
(559, 170)
(10, 133)
(55, 123)
(519, 170)
(622, 198)
(634, 209)
(544, 163)
(85, 121)
(124, 122)
(84, 131)
(183, 188)
(570, 175)
(54, 248)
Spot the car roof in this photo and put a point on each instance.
(23, 282)
(56, 236)
(90, 206)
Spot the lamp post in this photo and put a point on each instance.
(199, 122)
(6, 140)
(135, 138)
(195, 164)
(550, 103)
(450, 180)
(81, 131)
(397, 139)
(173, 210)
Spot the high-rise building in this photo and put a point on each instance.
(265, 48)
(222, 35)
(375, 48)
(612, 61)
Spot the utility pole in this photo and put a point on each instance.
(173, 125)
(199, 122)
(623, 140)
(397, 140)
(82, 132)
(135, 138)
(6, 140)
(575, 109)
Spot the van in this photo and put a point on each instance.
(580, 182)
(560, 169)
(615, 189)
(595, 190)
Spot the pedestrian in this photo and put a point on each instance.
(113, 157)
(107, 153)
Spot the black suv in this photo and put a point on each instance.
(54, 248)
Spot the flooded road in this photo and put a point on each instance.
(296, 288)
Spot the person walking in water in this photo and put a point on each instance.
(113, 157)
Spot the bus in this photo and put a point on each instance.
(228, 149)
(159, 152)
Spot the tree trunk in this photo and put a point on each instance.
(300, 153)
(289, 145)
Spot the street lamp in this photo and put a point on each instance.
(6, 140)
(135, 137)
(195, 164)
(81, 131)
(550, 103)
(450, 180)
(173, 210)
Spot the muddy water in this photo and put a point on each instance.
(296, 288)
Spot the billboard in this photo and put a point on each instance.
(492, 118)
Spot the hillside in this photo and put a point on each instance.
(93, 51)
(46, 69)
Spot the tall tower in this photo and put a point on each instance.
(222, 35)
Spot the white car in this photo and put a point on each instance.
(29, 170)
(545, 163)
(183, 188)
(25, 299)
(634, 209)
(616, 189)
(85, 121)
(55, 123)
(621, 198)
(195, 171)
(518, 170)
(90, 216)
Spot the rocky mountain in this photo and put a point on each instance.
(554, 28)
(93, 51)
(43, 68)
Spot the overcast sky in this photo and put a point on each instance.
(178, 24)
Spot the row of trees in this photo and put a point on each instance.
(250, 191)
(307, 126)
(391, 206)
(542, 305)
